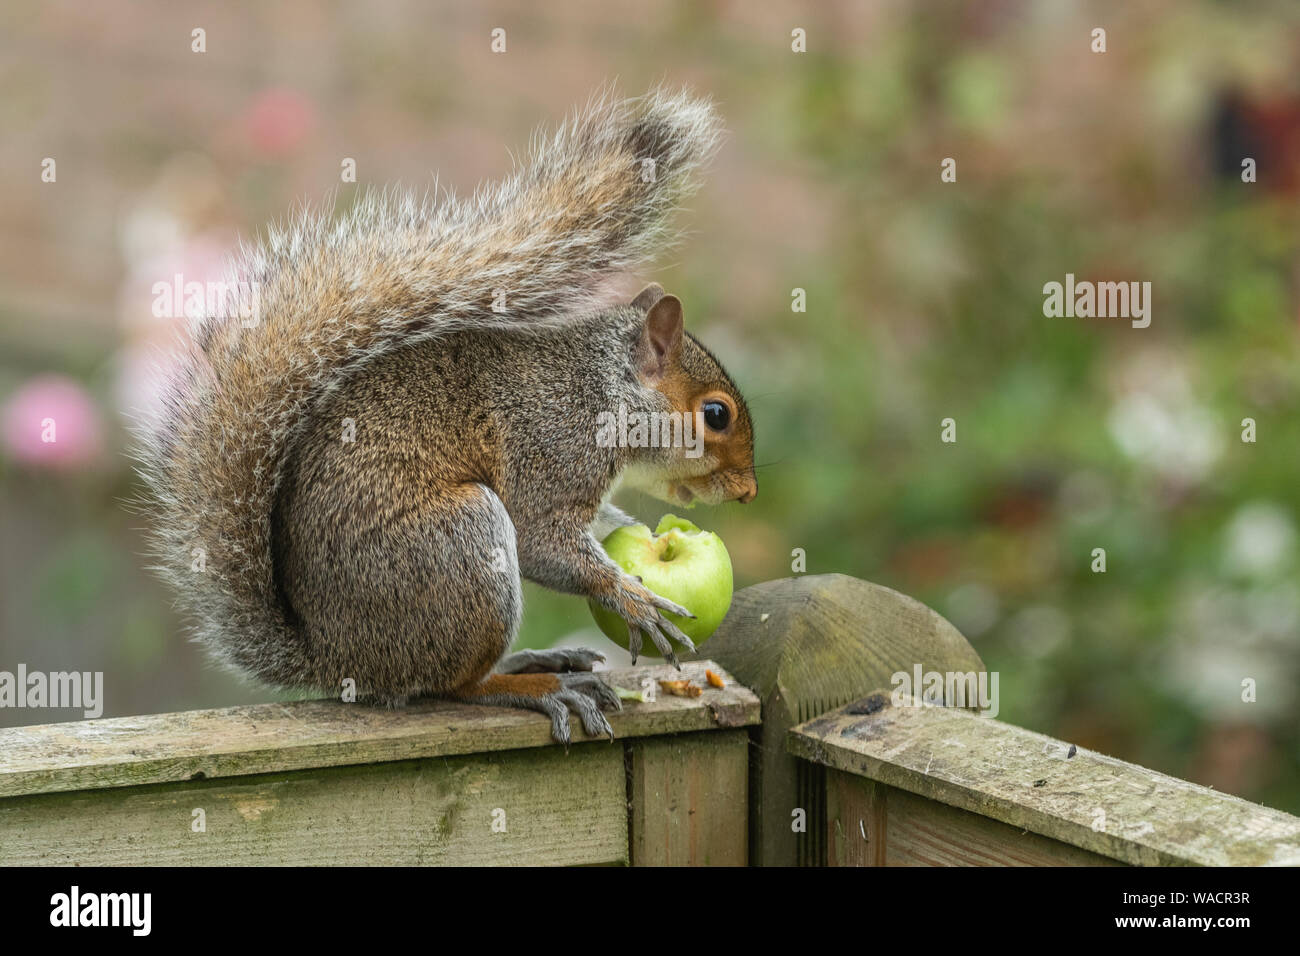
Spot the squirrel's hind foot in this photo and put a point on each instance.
(556, 660)
(555, 695)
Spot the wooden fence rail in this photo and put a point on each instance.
(918, 784)
(323, 782)
(835, 771)
(840, 775)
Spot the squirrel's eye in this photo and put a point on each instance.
(716, 415)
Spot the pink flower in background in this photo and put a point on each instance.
(278, 120)
(51, 421)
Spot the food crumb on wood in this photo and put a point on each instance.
(762, 619)
(715, 679)
(681, 688)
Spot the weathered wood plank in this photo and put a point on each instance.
(871, 824)
(267, 738)
(689, 798)
(856, 826)
(1032, 782)
(805, 645)
(550, 808)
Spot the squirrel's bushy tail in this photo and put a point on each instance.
(320, 298)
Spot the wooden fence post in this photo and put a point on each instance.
(806, 645)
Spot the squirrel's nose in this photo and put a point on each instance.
(748, 494)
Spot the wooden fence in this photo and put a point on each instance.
(835, 771)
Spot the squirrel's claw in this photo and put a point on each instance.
(676, 633)
(663, 604)
(660, 641)
(642, 609)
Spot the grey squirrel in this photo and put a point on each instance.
(394, 558)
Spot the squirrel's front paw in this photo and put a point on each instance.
(642, 609)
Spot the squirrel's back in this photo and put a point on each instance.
(328, 297)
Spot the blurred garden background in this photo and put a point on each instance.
(924, 302)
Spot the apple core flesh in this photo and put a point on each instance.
(680, 562)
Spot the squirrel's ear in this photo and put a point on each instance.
(661, 337)
(648, 297)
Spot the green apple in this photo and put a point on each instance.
(680, 562)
